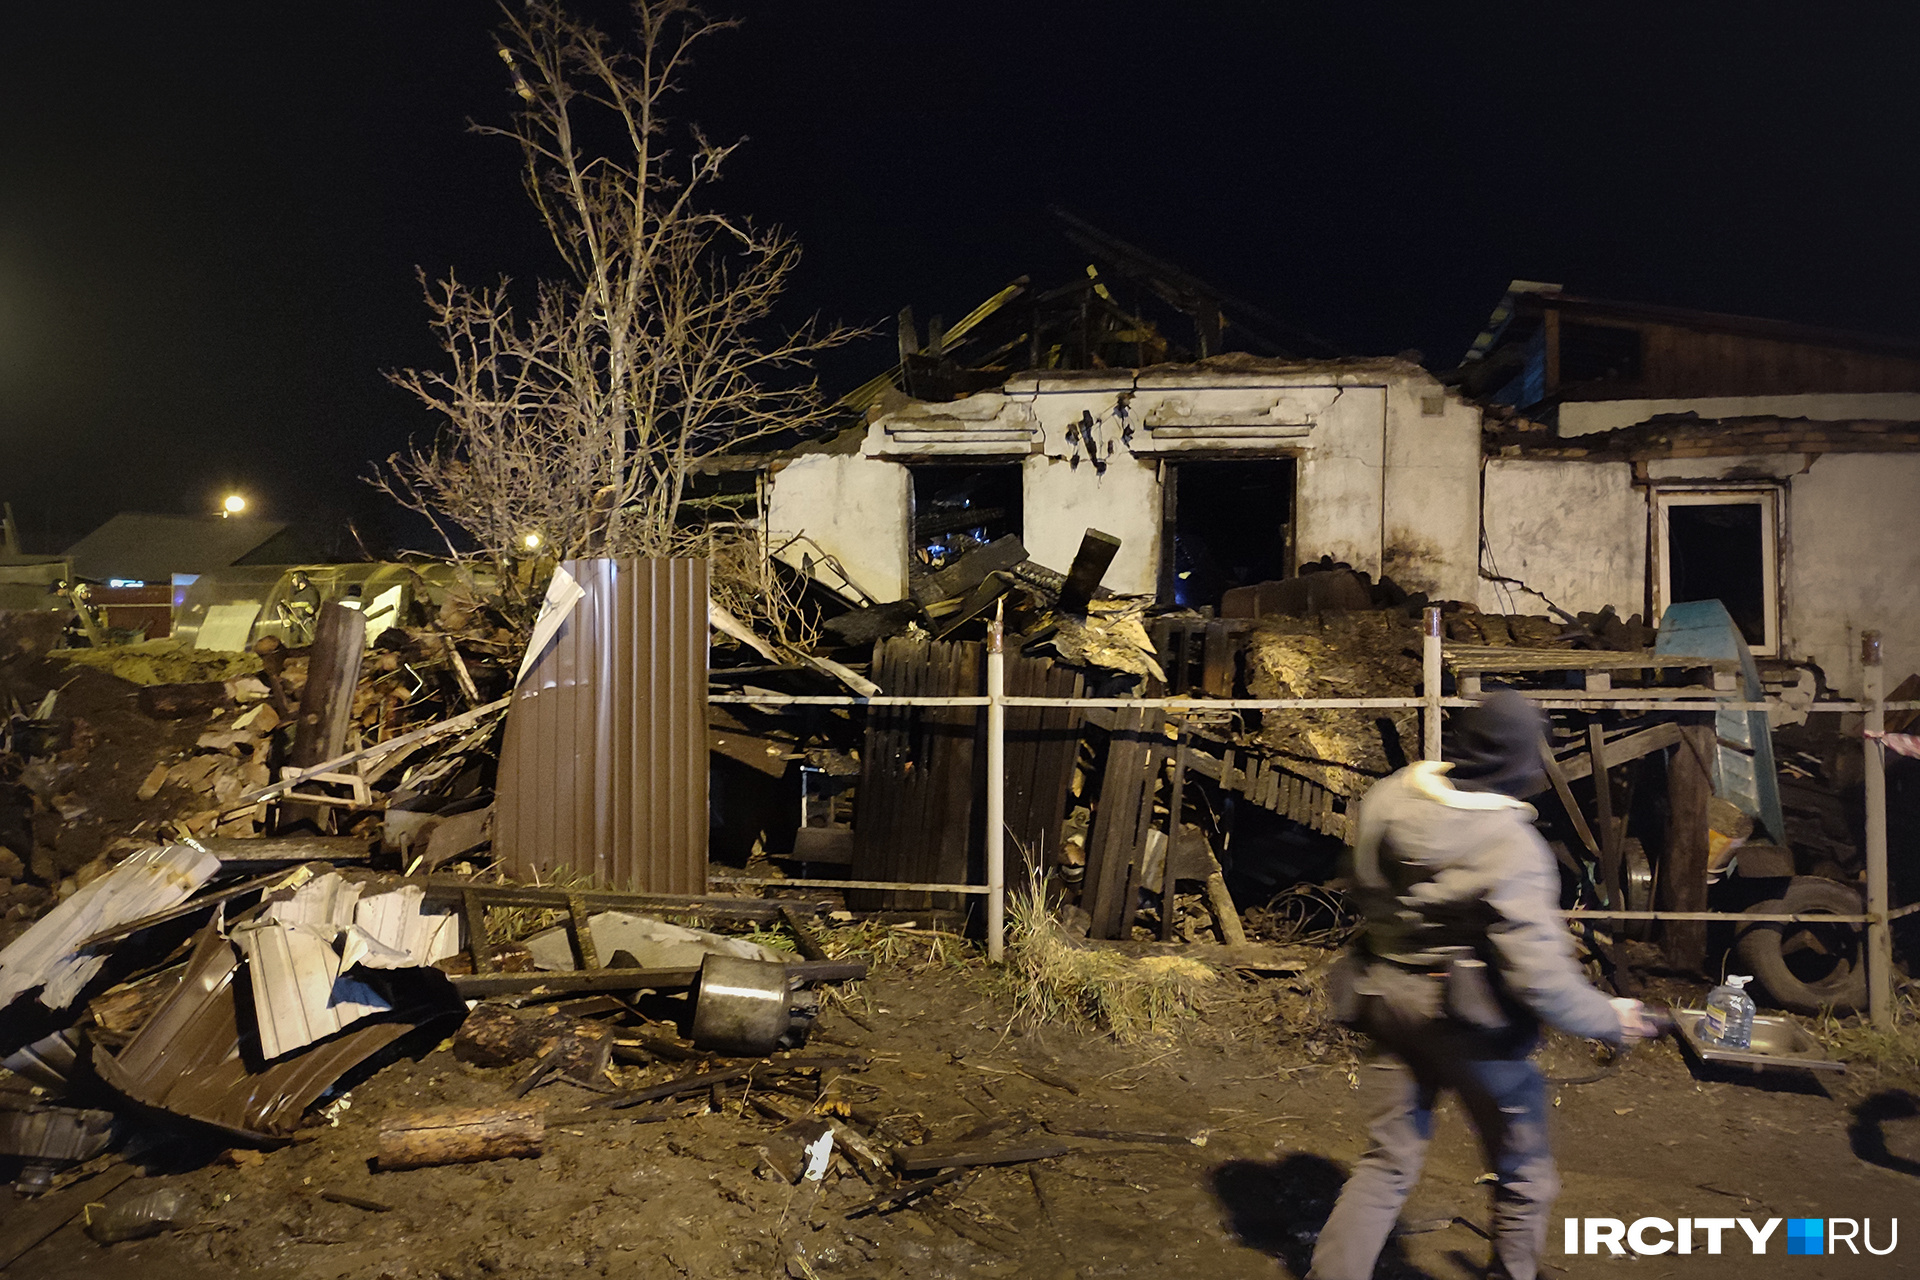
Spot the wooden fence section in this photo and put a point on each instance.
(1043, 744)
(922, 769)
(915, 815)
(1137, 747)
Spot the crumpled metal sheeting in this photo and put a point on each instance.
(192, 1059)
(299, 992)
(385, 931)
(653, 944)
(327, 900)
(149, 881)
(405, 937)
(299, 954)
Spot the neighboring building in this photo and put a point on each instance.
(1581, 365)
(141, 547)
(1646, 455)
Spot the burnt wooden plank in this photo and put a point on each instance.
(1683, 876)
(963, 1154)
(1090, 564)
(963, 732)
(326, 704)
(1116, 819)
(914, 856)
(1216, 661)
(1176, 804)
(876, 852)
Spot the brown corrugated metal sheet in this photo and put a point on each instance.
(604, 768)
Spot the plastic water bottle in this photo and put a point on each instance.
(143, 1216)
(1729, 1020)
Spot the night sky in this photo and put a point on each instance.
(210, 214)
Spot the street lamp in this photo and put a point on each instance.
(233, 505)
(531, 541)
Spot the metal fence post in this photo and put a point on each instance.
(1430, 676)
(1879, 931)
(996, 795)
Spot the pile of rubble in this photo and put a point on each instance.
(185, 990)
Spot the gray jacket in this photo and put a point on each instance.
(1444, 875)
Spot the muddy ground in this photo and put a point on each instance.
(683, 1190)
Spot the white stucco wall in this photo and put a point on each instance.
(1061, 502)
(1574, 531)
(852, 508)
(1342, 479)
(1853, 563)
(1582, 417)
(1849, 545)
(1431, 514)
(1387, 467)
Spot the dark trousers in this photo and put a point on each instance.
(1505, 1097)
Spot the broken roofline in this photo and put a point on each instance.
(1683, 435)
(1234, 369)
(1529, 298)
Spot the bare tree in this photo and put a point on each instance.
(573, 419)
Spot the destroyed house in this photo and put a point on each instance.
(1643, 456)
(1221, 473)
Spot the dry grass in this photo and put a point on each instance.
(1051, 980)
(517, 924)
(898, 946)
(1893, 1051)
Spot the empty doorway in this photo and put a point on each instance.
(1722, 545)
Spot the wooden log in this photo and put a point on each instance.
(463, 1135)
(1683, 875)
(493, 1037)
(965, 1154)
(1226, 917)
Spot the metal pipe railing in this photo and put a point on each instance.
(1879, 929)
(1877, 918)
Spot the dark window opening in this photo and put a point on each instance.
(1231, 526)
(956, 509)
(1598, 353)
(722, 497)
(1717, 551)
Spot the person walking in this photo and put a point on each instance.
(1462, 957)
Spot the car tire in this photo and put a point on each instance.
(1808, 968)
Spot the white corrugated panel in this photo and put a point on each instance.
(149, 881)
(299, 993)
(399, 936)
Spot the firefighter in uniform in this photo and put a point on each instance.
(1462, 957)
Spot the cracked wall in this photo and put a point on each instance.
(1385, 459)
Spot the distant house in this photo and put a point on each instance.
(1640, 456)
(141, 547)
